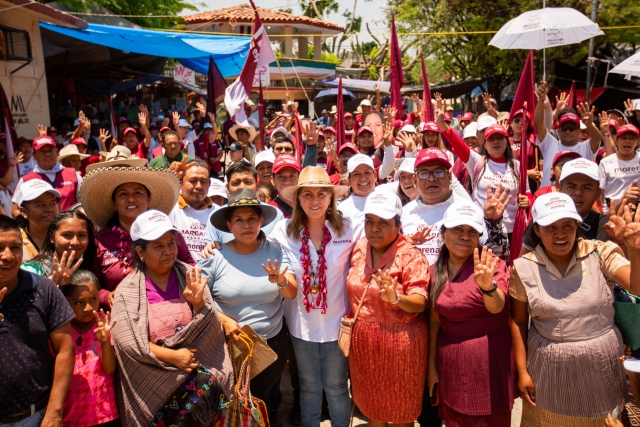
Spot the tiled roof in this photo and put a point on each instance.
(243, 13)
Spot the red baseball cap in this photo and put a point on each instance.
(43, 141)
(285, 161)
(52, 129)
(429, 127)
(397, 124)
(79, 141)
(628, 129)
(329, 129)
(613, 123)
(569, 117)
(348, 115)
(348, 146)
(563, 154)
(468, 116)
(123, 120)
(164, 129)
(365, 129)
(129, 130)
(432, 154)
(447, 117)
(495, 129)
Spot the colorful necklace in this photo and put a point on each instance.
(124, 249)
(314, 285)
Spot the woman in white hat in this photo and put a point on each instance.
(114, 197)
(389, 278)
(469, 336)
(167, 336)
(319, 241)
(569, 372)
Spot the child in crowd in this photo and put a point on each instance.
(266, 193)
(91, 400)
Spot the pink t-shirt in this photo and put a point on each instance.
(156, 295)
(91, 399)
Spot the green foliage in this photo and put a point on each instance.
(325, 7)
(329, 57)
(435, 72)
(286, 10)
(148, 8)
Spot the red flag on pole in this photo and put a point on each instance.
(260, 143)
(524, 100)
(571, 99)
(260, 54)
(396, 75)
(216, 87)
(426, 114)
(299, 133)
(340, 131)
(114, 123)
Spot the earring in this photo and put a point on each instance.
(329, 211)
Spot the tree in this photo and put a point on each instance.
(318, 8)
(138, 7)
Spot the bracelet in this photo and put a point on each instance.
(490, 293)
(397, 301)
(285, 285)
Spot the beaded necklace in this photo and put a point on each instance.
(315, 294)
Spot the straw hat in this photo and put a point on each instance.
(120, 156)
(98, 186)
(314, 176)
(250, 129)
(245, 197)
(70, 150)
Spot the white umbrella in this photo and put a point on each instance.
(542, 28)
(629, 67)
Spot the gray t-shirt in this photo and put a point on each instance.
(241, 288)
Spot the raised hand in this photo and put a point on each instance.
(416, 99)
(603, 118)
(633, 193)
(194, 290)
(376, 87)
(387, 285)
(388, 134)
(486, 99)
(275, 275)
(42, 130)
(629, 106)
(632, 232)
(142, 119)
(179, 168)
(311, 134)
(421, 237)
(18, 158)
(440, 107)
(212, 117)
(541, 91)
(484, 268)
(104, 325)
(586, 114)
(200, 107)
(392, 113)
(64, 269)
(176, 118)
(561, 102)
(82, 119)
(406, 140)
(497, 202)
(104, 135)
(618, 218)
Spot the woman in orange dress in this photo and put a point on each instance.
(388, 352)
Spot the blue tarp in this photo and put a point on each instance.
(191, 50)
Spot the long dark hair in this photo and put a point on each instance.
(508, 154)
(441, 274)
(49, 248)
(403, 197)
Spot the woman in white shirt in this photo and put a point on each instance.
(619, 171)
(319, 241)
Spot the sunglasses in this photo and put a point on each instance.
(285, 149)
(425, 174)
(568, 128)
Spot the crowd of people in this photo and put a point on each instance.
(131, 272)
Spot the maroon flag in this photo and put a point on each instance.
(526, 89)
(426, 115)
(260, 54)
(340, 131)
(216, 87)
(299, 133)
(396, 75)
(260, 116)
(114, 122)
(571, 99)
(7, 128)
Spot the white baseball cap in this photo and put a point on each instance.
(280, 129)
(464, 213)
(486, 121)
(208, 126)
(408, 128)
(366, 102)
(183, 123)
(217, 188)
(150, 225)
(264, 156)
(384, 204)
(582, 166)
(408, 165)
(470, 130)
(357, 160)
(552, 207)
(32, 189)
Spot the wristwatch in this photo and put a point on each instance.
(490, 293)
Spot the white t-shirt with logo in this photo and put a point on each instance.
(192, 225)
(353, 208)
(495, 173)
(313, 325)
(616, 175)
(550, 146)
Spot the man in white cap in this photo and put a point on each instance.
(186, 134)
(208, 148)
(580, 181)
(191, 214)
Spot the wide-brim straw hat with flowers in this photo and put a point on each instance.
(98, 186)
(314, 176)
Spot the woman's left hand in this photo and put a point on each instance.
(387, 285)
(275, 275)
(523, 201)
(632, 232)
(64, 269)
(484, 268)
(194, 290)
